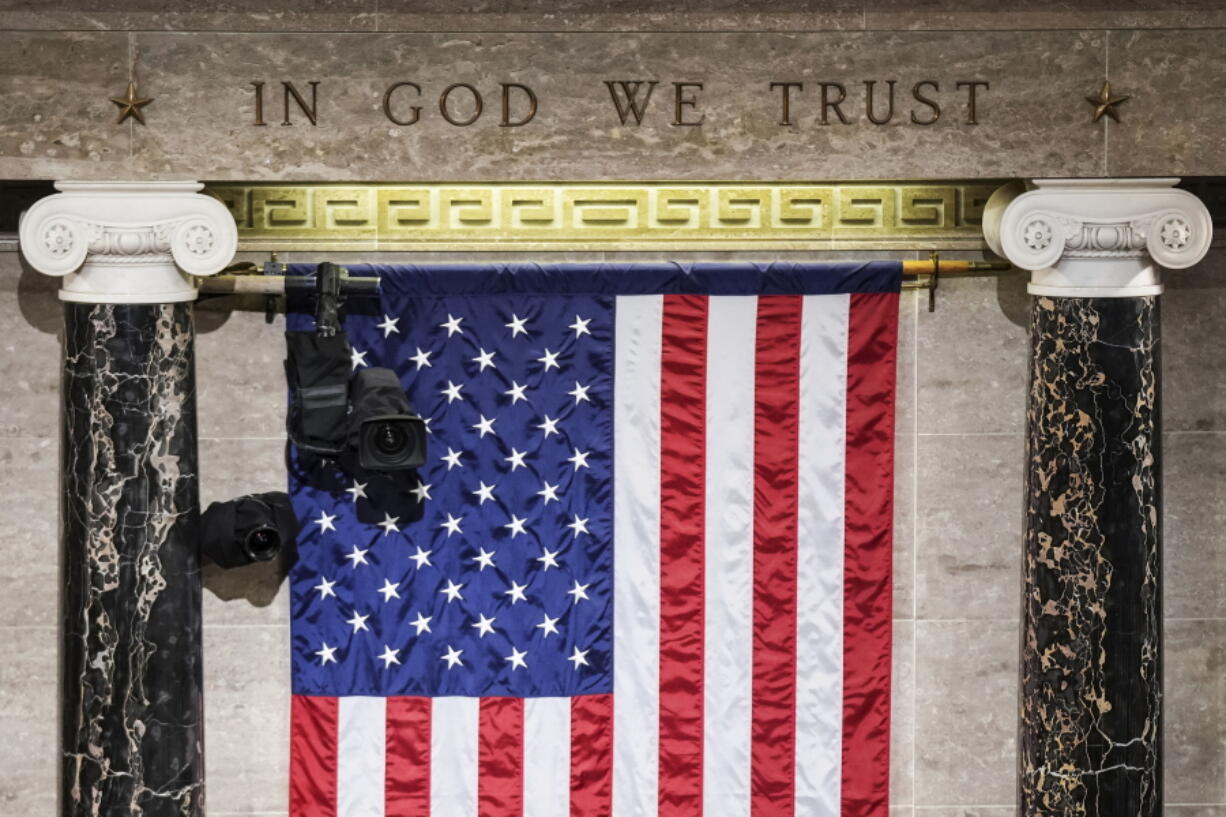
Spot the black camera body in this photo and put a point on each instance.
(334, 413)
(383, 428)
(360, 422)
(251, 528)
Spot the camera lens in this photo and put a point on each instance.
(390, 439)
(263, 543)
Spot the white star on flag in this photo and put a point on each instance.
(579, 658)
(358, 622)
(516, 392)
(422, 623)
(452, 325)
(357, 358)
(485, 426)
(358, 490)
(388, 325)
(580, 393)
(422, 491)
(578, 526)
(516, 592)
(549, 559)
(516, 325)
(389, 523)
(517, 659)
(550, 360)
(422, 358)
(452, 525)
(422, 557)
(358, 556)
(453, 458)
(484, 360)
(325, 588)
(548, 425)
(453, 657)
(452, 591)
(580, 326)
(483, 493)
(516, 525)
(389, 656)
(325, 522)
(549, 625)
(485, 559)
(516, 459)
(579, 459)
(579, 591)
(483, 626)
(328, 654)
(453, 391)
(389, 591)
(549, 492)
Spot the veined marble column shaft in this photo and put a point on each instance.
(1090, 713)
(131, 677)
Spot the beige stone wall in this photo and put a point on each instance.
(60, 62)
(962, 370)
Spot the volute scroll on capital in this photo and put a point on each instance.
(128, 242)
(1066, 223)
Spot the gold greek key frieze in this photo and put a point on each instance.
(608, 216)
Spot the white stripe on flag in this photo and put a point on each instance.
(453, 757)
(636, 555)
(361, 740)
(728, 653)
(547, 757)
(819, 575)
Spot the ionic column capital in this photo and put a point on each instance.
(1102, 238)
(128, 242)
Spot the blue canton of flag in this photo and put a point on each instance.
(504, 586)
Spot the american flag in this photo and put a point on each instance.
(652, 575)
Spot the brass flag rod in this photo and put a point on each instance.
(248, 278)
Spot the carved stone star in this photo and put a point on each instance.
(1104, 103)
(130, 104)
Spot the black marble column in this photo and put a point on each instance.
(1091, 673)
(132, 715)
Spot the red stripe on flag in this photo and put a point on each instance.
(776, 424)
(407, 772)
(591, 756)
(682, 514)
(867, 587)
(312, 756)
(500, 758)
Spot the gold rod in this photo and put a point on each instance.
(917, 273)
(911, 269)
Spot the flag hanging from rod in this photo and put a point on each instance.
(652, 574)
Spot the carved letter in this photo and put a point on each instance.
(868, 102)
(442, 104)
(971, 86)
(827, 103)
(506, 105)
(387, 104)
(681, 100)
(786, 117)
(259, 103)
(630, 90)
(936, 109)
(311, 112)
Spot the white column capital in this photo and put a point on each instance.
(128, 242)
(1097, 238)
